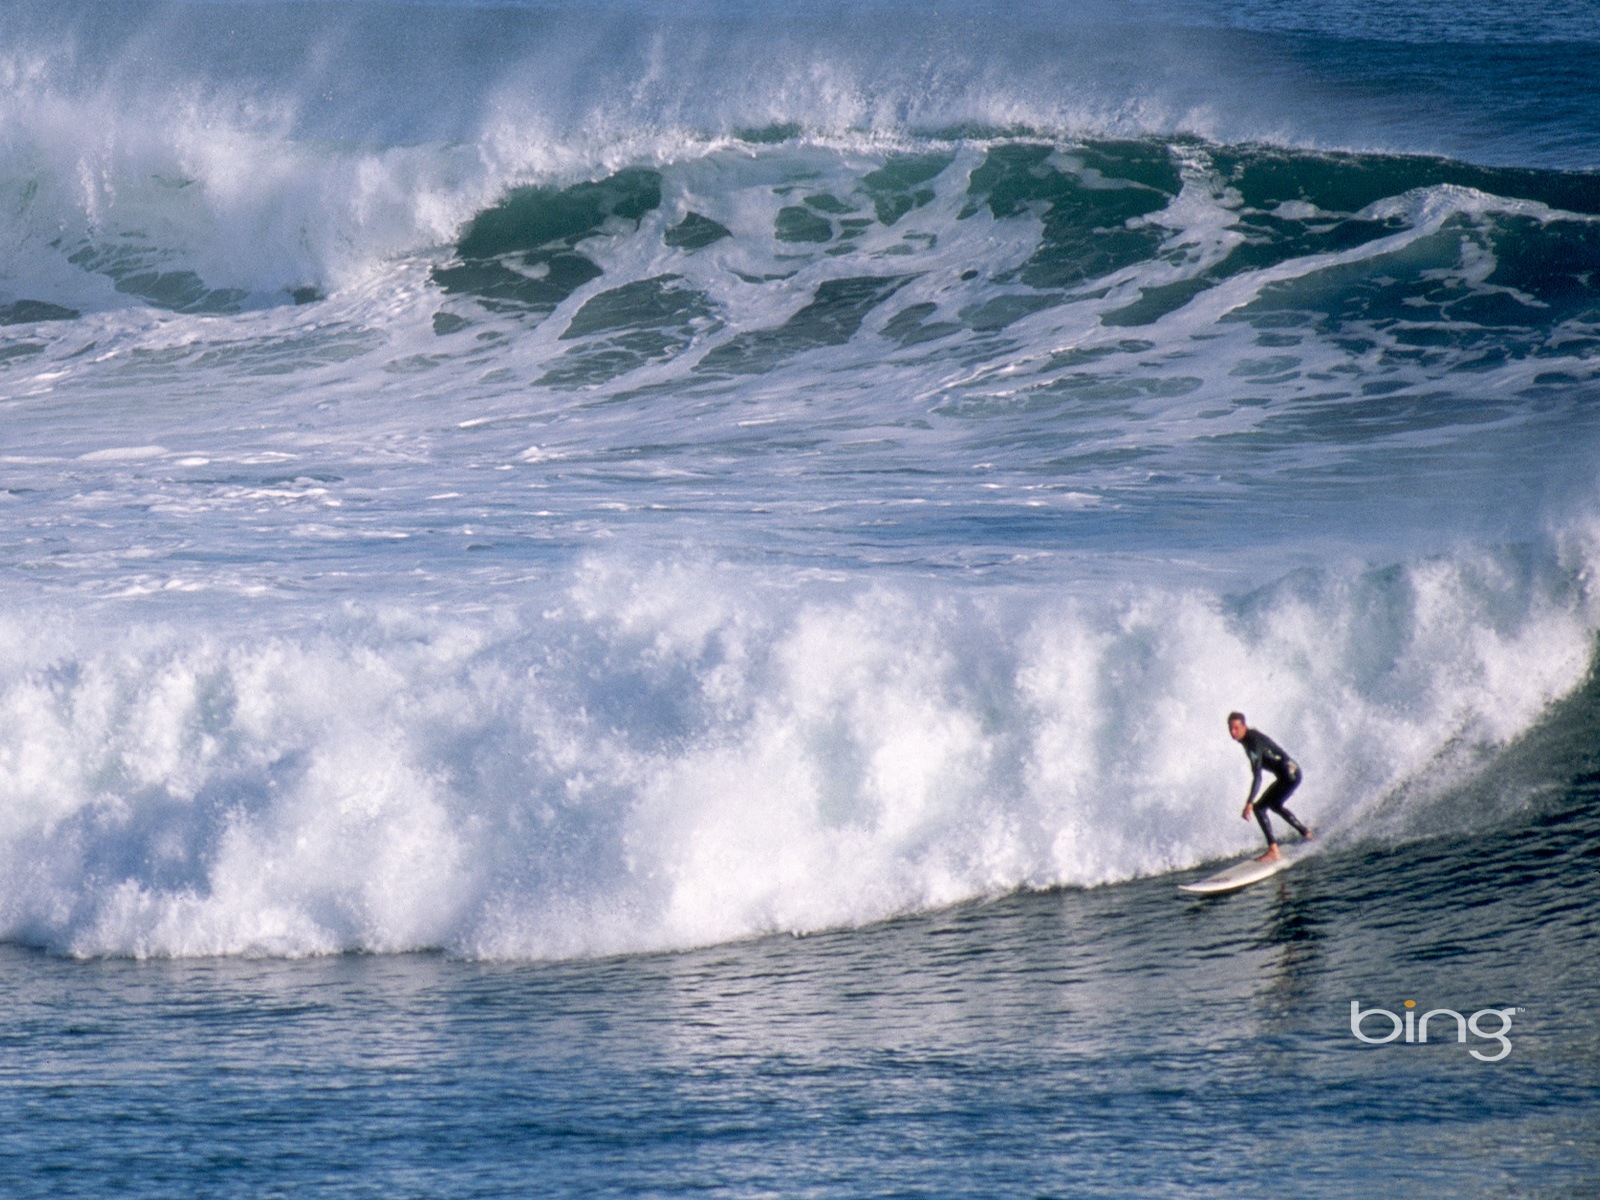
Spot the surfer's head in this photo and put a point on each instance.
(1236, 726)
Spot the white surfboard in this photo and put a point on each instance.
(1237, 876)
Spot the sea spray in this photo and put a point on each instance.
(663, 756)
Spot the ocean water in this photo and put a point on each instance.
(640, 599)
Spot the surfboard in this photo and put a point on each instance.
(1237, 876)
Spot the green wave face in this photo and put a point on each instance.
(1449, 264)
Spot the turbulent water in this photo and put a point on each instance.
(574, 491)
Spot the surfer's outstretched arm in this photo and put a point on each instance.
(1255, 785)
(1239, 730)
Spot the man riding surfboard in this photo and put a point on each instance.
(1266, 754)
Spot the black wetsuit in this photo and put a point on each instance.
(1266, 754)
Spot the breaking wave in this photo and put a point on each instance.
(668, 756)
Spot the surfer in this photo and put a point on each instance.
(1263, 752)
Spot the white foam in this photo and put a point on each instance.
(123, 454)
(680, 755)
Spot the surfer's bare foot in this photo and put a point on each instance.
(1308, 835)
(1271, 855)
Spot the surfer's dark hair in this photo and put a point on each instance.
(1237, 716)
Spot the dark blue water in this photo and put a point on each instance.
(1106, 1043)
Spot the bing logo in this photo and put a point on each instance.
(1415, 1029)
